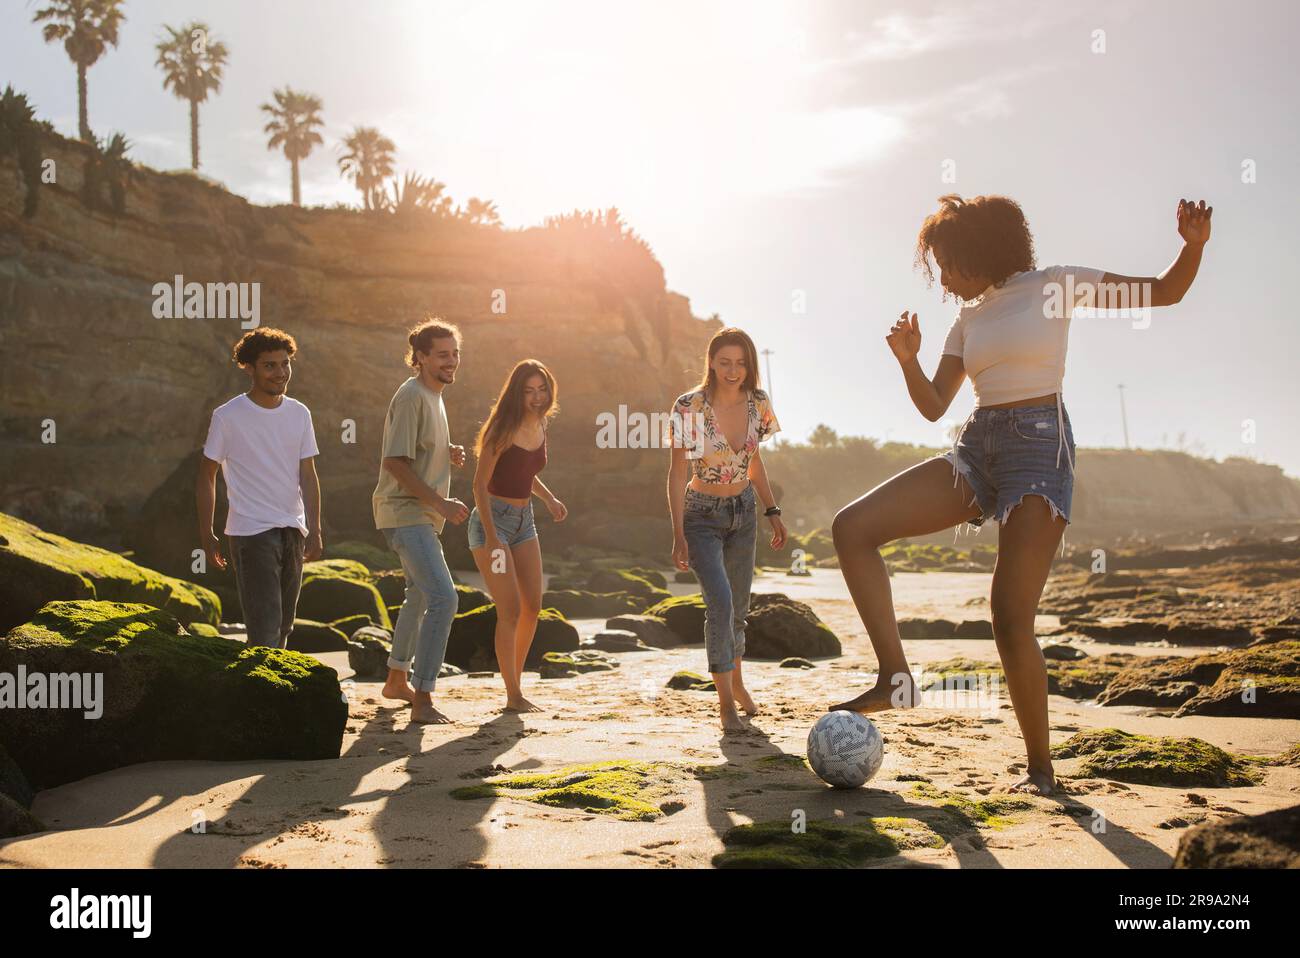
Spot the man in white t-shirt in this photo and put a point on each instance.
(264, 443)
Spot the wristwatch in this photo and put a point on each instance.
(772, 511)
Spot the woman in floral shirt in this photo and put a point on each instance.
(715, 432)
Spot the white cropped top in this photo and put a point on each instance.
(1012, 340)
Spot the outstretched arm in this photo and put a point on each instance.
(932, 397)
(1171, 285)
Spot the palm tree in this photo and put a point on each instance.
(368, 161)
(86, 27)
(19, 133)
(294, 118)
(482, 211)
(191, 63)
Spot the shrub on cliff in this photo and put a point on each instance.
(166, 695)
(37, 567)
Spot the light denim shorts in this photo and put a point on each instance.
(1007, 454)
(514, 524)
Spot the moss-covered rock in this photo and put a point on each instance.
(329, 596)
(392, 586)
(684, 614)
(1262, 681)
(959, 813)
(469, 599)
(336, 569)
(374, 558)
(653, 576)
(1146, 760)
(691, 682)
(1270, 840)
(632, 791)
(471, 645)
(576, 604)
(369, 649)
(822, 844)
(778, 626)
(37, 567)
(563, 665)
(622, 580)
(202, 628)
(166, 695)
(312, 637)
(349, 624)
(650, 629)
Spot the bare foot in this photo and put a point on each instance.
(1035, 783)
(517, 703)
(898, 695)
(731, 721)
(401, 693)
(424, 713)
(741, 695)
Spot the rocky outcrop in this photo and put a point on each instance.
(1147, 760)
(37, 567)
(348, 285)
(1262, 681)
(166, 695)
(1270, 840)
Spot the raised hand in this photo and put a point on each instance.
(904, 338)
(1194, 220)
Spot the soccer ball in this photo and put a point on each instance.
(845, 749)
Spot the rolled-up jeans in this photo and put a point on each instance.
(424, 622)
(268, 573)
(720, 534)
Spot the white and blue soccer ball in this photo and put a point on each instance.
(845, 749)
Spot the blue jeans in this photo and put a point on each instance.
(720, 534)
(1007, 454)
(513, 524)
(430, 604)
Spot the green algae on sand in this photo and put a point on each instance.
(820, 844)
(627, 790)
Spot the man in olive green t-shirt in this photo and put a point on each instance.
(411, 508)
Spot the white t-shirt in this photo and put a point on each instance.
(1012, 339)
(260, 451)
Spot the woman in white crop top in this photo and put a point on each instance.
(1013, 459)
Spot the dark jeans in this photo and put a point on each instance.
(268, 571)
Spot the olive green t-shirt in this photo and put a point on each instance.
(416, 429)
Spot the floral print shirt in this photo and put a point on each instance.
(693, 425)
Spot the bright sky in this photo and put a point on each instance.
(772, 152)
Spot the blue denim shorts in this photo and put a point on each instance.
(1007, 454)
(514, 524)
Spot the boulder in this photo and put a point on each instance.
(368, 651)
(926, 629)
(575, 604)
(623, 580)
(376, 558)
(309, 636)
(617, 640)
(166, 695)
(1060, 652)
(778, 627)
(684, 614)
(470, 599)
(327, 597)
(37, 567)
(337, 568)
(13, 782)
(471, 645)
(392, 586)
(16, 820)
(1261, 681)
(650, 629)
(795, 662)
(1269, 840)
(351, 623)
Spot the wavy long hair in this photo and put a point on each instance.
(508, 411)
(730, 336)
(984, 236)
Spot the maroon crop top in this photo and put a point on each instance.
(515, 469)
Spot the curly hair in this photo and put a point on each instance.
(984, 236)
(422, 337)
(265, 340)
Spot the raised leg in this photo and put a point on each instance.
(915, 502)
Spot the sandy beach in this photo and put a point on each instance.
(387, 801)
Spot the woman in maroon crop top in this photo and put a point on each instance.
(511, 451)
